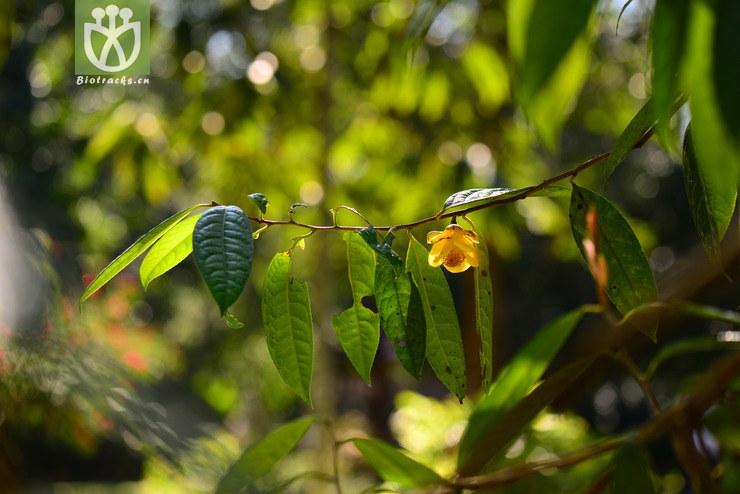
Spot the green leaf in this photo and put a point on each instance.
(688, 346)
(395, 466)
(635, 130)
(169, 251)
(135, 250)
(631, 471)
(514, 383)
(286, 315)
(401, 314)
(261, 457)
(487, 72)
(358, 328)
(711, 198)
(383, 249)
(670, 21)
(444, 347)
(7, 13)
(552, 30)
(630, 279)
(260, 200)
(480, 197)
(726, 75)
(232, 320)
(222, 244)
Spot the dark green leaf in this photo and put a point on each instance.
(631, 472)
(286, 315)
(261, 457)
(630, 279)
(552, 30)
(401, 314)
(491, 196)
(169, 251)
(232, 321)
(260, 200)
(444, 347)
(358, 328)
(383, 249)
(688, 346)
(395, 466)
(711, 198)
(635, 130)
(726, 59)
(135, 250)
(515, 382)
(222, 245)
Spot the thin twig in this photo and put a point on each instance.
(625, 359)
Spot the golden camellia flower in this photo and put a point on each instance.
(454, 248)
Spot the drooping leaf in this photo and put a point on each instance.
(726, 76)
(232, 320)
(135, 250)
(630, 279)
(286, 315)
(169, 251)
(358, 328)
(553, 28)
(635, 130)
(395, 466)
(479, 197)
(515, 382)
(711, 198)
(260, 200)
(401, 315)
(631, 472)
(444, 347)
(262, 456)
(222, 245)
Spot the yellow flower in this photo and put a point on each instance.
(454, 248)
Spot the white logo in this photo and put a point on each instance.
(112, 33)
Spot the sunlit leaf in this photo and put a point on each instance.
(169, 251)
(395, 466)
(487, 72)
(631, 472)
(286, 315)
(444, 347)
(726, 76)
(711, 198)
(260, 200)
(630, 279)
(514, 383)
(358, 328)
(479, 197)
(222, 245)
(135, 250)
(635, 130)
(261, 457)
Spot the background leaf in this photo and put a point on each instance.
(135, 250)
(7, 14)
(394, 466)
(286, 315)
(444, 347)
(631, 471)
(711, 198)
(257, 460)
(635, 130)
(169, 251)
(630, 279)
(222, 243)
(358, 328)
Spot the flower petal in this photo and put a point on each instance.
(439, 252)
(435, 236)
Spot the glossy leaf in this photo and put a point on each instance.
(358, 328)
(401, 315)
(711, 199)
(726, 76)
(261, 457)
(631, 472)
(222, 245)
(444, 347)
(553, 28)
(479, 197)
(514, 383)
(635, 130)
(169, 251)
(260, 200)
(286, 315)
(395, 466)
(630, 279)
(135, 250)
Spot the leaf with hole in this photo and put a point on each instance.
(395, 466)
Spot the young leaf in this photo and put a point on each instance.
(630, 279)
(135, 250)
(172, 248)
(395, 466)
(232, 320)
(222, 243)
(401, 314)
(631, 471)
(480, 197)
(444, 349)
(261, 457)
(635, 130)
(260, 200)
(358, 328)
(711, 199)
(515, 382)
(286, 315)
